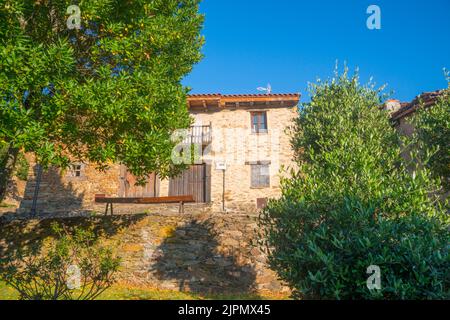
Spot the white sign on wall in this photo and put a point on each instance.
(221, 165)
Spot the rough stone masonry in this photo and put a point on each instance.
(198, 253)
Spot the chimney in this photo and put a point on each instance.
(392, 105)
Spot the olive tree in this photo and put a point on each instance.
(352, 205)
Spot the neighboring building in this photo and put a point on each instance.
(244, 146)
(402, 112)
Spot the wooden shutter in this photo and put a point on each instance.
(129, 189)
(260, 178)
(254, 176)
(196, 182)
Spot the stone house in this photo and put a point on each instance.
(242, 147)
(402, 112)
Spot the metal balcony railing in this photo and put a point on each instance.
(199, 135)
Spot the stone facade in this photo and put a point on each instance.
(199, 253)
(233, 142)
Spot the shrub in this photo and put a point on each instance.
(353, 204)
(71, 267)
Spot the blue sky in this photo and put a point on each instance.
(289, 43)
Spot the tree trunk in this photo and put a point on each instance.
(6, 169)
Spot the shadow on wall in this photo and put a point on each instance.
(12, 191)
(25, 235)
(193, 257)
(53, 194)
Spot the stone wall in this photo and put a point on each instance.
(197, 253)
(61, 190)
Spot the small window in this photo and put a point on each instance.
(76, 170)
(260, 176)
(259, 122)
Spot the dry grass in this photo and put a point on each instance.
(120, 292)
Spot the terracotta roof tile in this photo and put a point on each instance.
(219, 95)
(427, 98)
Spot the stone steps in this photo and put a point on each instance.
(44, 193)
(33, 183)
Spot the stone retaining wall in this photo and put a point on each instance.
(197, 253)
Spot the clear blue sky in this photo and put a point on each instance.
(289, 43)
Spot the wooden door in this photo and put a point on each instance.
(196, 182)
(129, 189)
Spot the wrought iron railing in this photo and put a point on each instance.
(199, 135)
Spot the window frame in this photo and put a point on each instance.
(77, 171)
(258, 180)
(261, 121)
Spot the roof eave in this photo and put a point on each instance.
(219, 100)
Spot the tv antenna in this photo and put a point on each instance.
(268, 89)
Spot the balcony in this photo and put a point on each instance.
(199, 135)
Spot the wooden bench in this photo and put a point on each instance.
(181, 200)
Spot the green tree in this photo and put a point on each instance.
(108, 92)
(433, 133)
(353, 204)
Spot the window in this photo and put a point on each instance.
(260, 176)
(76, 170)
(259, 122)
